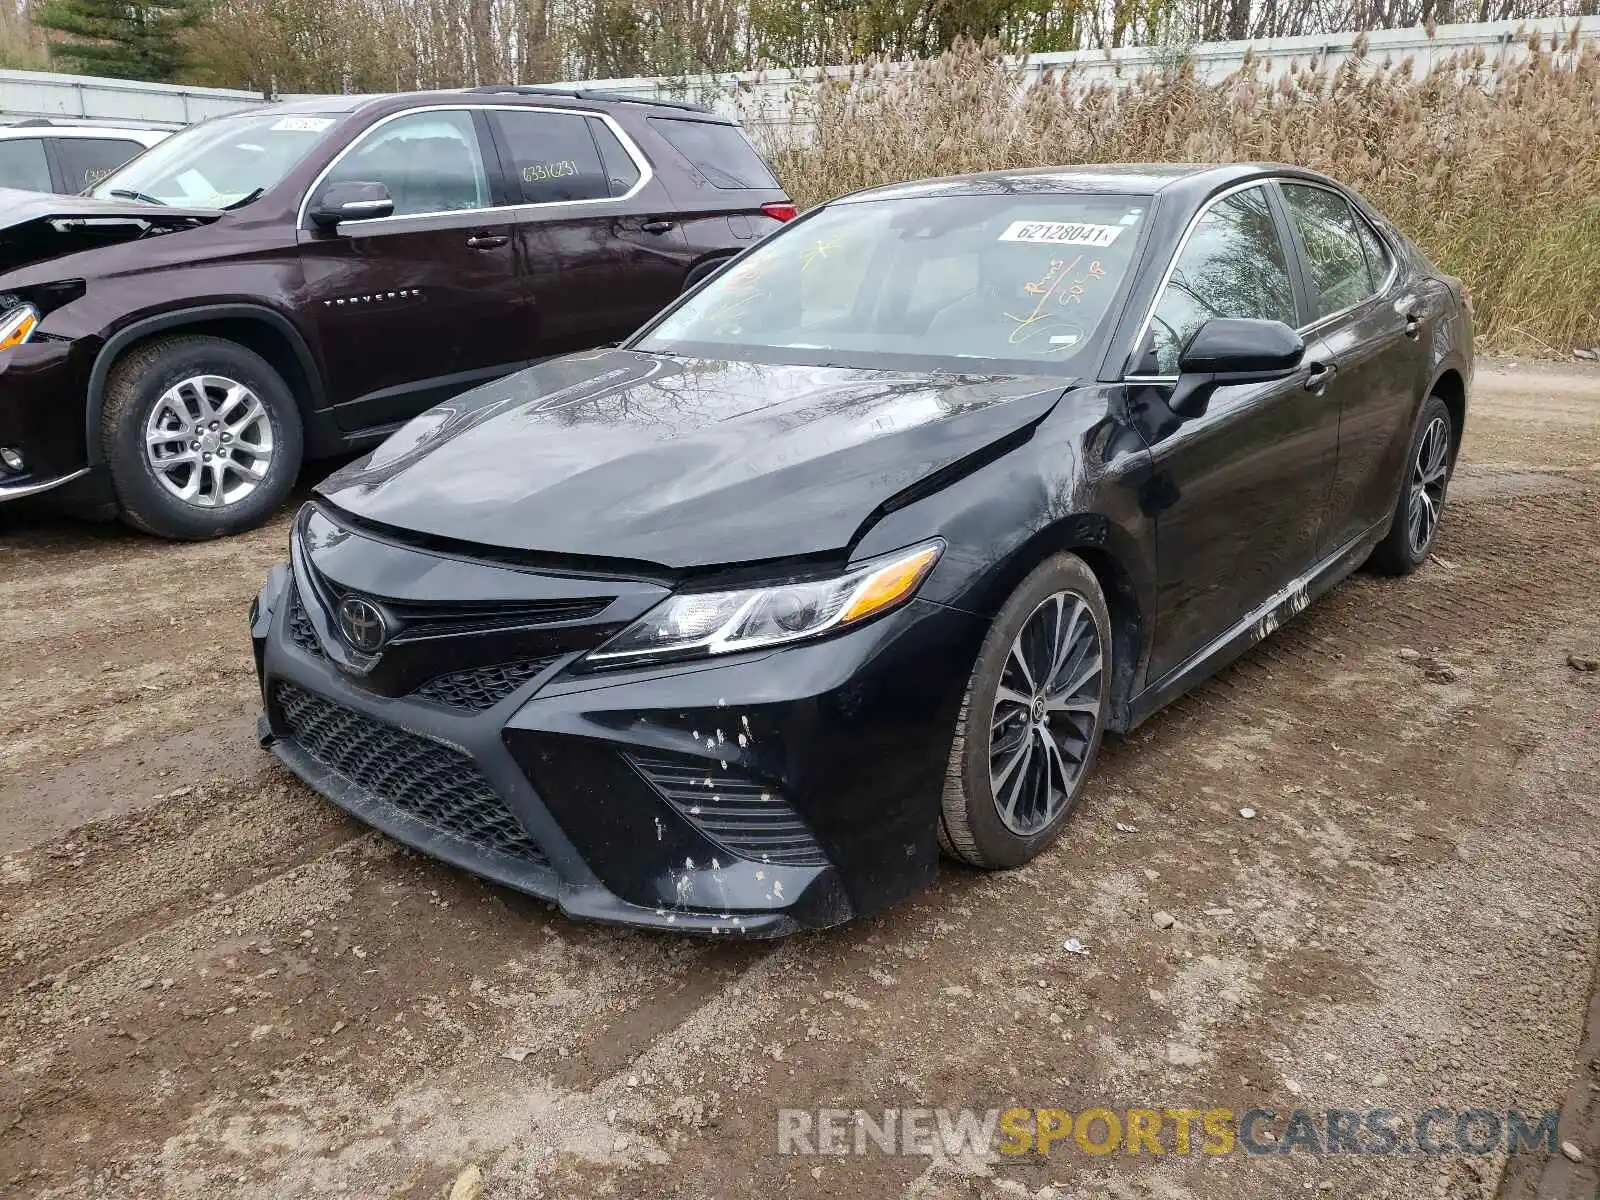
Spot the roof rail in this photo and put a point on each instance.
(540, 89)
(33, 123)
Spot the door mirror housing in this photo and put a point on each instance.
(1227, 351)
(351, 202)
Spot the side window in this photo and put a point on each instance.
(553, 156)
(621, 171)
(24, 166)
(86, 161)
(430, 162)
(1232, 266)
(1334, 254)
(1380, 260)
(721, 153)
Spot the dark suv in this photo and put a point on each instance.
(298, 281)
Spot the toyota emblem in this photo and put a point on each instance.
(362, 624)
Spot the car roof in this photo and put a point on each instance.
(1136, 179)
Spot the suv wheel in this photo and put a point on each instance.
(1031, 720)
(202, 436)
(1422, 494)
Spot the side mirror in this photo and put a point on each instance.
(1226, 351)
(350, 202)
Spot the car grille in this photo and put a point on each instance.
(748, 818)
(481, 687)
(300, 631)
(433, 783)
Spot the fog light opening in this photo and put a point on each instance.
(11, 458)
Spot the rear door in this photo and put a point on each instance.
(1375, 331)
(600, 244)
(1240, 491)
(419, 306)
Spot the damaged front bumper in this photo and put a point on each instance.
(774, 791)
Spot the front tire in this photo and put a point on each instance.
(202, 436)
(1420, 505)
(1031, 720)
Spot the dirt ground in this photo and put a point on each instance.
(215, 984)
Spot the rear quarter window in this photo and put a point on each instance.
(721, 154)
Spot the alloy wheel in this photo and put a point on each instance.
(209, 441)
(1045, 713)
(1429, 476)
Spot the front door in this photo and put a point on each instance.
(1239, 492)
(602, 248)
(417, 307)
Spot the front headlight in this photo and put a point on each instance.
(17, 325)
(699, 623)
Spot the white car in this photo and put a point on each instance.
(48, 156)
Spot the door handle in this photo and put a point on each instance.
(1413, 324)
(1318, 377)
(656, 226)
(487, 241)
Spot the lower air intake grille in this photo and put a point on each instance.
(430, 782)
(481, 687)
(300, 631)
(746, 817)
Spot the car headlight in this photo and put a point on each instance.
(701, 623)
(17, 325)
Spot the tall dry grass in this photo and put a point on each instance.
(1494, 171)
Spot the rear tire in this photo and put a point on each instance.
(235, 437)
(1032, 719)
(1420, 505)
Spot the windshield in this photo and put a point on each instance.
(1015, 281)
(219, 162)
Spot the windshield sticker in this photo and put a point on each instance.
(1061, 233)
(301, 124)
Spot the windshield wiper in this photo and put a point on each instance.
(130, 194)
(248, 198)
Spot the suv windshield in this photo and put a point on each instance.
(1014, 280)
(219, 162)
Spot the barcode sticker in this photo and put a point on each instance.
(1061, 233)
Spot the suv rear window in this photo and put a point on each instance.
(719, 152)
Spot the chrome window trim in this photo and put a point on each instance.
(379, 224)
(1183, 244)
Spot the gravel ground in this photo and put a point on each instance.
(213, 983)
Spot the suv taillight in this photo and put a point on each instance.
(781, 212)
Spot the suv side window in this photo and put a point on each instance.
(621, 171)
(430, 161)
(23, 165)
(721, 153)
(1233, 265)
(86, 161)
(553, 156)
(1334, 253)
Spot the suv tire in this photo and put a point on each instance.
(1429, 463)
(1057, 617)
(235, 445)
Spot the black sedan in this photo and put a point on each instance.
(857, 550)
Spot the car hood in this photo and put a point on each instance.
(36, 226)
(683, 463)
